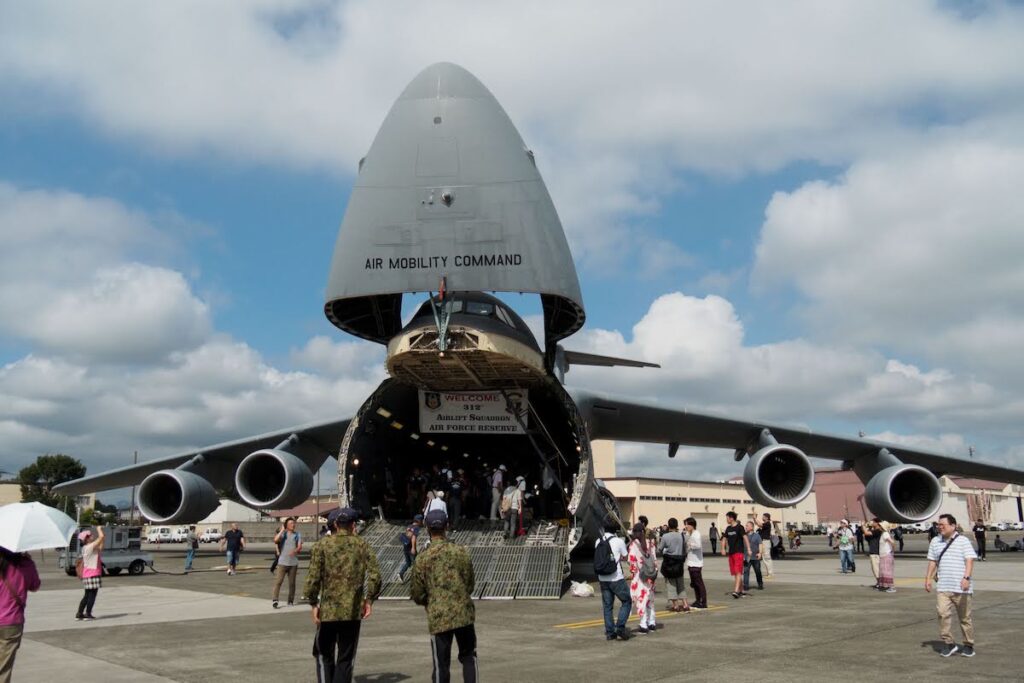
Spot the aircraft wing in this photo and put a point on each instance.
(622, 419)
(222, 457)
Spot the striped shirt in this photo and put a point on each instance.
(953, 567)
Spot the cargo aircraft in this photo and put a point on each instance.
(449, 203)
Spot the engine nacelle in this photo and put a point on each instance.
(272, 478)
(904, 493)
(176, 496)
(778, 476)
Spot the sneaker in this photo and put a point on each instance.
(291, 604)
(967, 651)
(760, 588)
(949, 650)
(642, 630)
(890, 590)
(89, 617)
(735, 595)
(744, 594)
(611, 637)
(79, 617)
(623, 634)
(275, 604)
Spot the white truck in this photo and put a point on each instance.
(211, 535)
(122, 551)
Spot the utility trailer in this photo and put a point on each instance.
(122, 551)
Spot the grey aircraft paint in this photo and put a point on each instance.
(448, 188)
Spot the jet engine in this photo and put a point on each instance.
(272, 478)
(778, 475)
(172, 496)
(904, 493)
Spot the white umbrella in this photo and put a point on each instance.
(32, 526)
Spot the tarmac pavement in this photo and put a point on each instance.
(809, 624)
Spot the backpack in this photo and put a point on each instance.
(506, 503)
(605, 564)
(648, 567)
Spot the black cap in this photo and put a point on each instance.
(342, 516)
(437, 520)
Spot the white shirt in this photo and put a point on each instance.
(619, 552)
(437, 504)
(496, 479)
(953, 566)
(695, 551)
(883, 547)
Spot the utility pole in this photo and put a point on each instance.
(317, 520)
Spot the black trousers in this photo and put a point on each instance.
(441, 648)
(331, 636)
(87, 602)
(700, 593)
(981, 546)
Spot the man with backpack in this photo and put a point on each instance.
(511, 505)
(410, 540)
(289, 543)
(609, 552)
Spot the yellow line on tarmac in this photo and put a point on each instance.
(660, 615)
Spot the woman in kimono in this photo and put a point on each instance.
(886, 560)
(641, 590)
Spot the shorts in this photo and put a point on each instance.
(736, 563)
(676, 588)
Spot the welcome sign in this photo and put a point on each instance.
(473, 412)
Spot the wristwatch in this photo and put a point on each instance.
(967, 578)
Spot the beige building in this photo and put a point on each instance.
(10, 492)
(707, 502)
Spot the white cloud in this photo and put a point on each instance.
(219, 391)
(614, 102)
(69, 284)
(707, 365)
(920, 250)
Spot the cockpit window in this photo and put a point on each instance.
(479, 308)
(504, 316)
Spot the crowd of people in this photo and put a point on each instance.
(681, 552)
(478, 491)
(343, 579)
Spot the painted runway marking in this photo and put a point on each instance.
(633, 617)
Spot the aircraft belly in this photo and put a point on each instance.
(474, 359)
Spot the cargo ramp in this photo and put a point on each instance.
(529, 567)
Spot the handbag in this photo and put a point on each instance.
(671, 566)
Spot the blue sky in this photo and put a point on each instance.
(817, 224)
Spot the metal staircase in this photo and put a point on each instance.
(530, 567)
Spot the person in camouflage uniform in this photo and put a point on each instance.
(442, 581)
(342, 583)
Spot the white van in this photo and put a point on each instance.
(159, 534)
